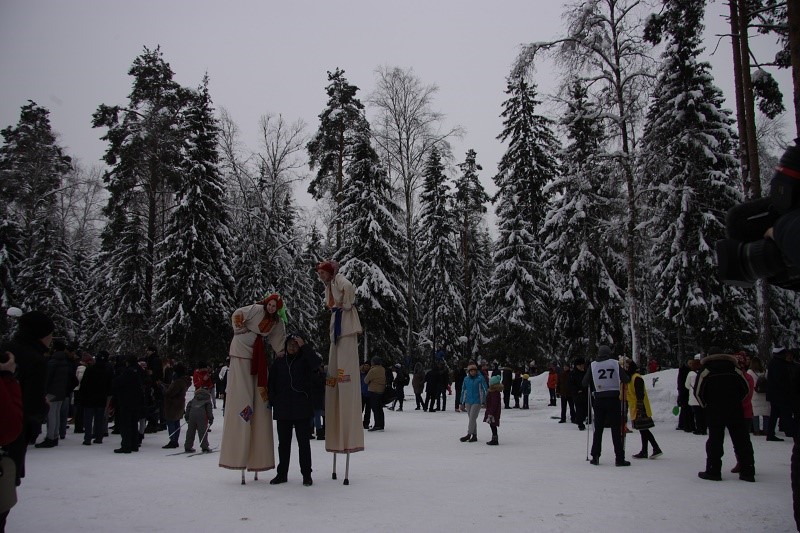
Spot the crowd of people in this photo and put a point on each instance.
(48, 385)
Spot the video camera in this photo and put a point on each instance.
(746, 255)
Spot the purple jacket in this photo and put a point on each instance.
(493, 402)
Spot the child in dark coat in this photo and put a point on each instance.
(493, 406)
(199, 416)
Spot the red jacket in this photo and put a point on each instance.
(10, 409)
(201, 378)
(552, 380)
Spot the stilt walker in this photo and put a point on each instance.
(247, 434)
(344, 430)
(589, 421)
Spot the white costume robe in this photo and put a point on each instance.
(344, 430)
(247, 434)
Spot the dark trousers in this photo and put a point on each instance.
(742, 447)
(699, 415)
(432, 397)
(648, 438)
(418, 397)
(127, 422)
(607, 412)
(302, 431)
(686, 418)
(366, 409)
(93, 422)
(376, 404)
(581, 408)
(525, 401)
(782, 411)
(507, 397)
(552, 396)
(564, 403)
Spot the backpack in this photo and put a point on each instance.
(761, 384)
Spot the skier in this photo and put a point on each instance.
(604, 377)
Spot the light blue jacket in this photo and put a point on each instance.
(473, 390)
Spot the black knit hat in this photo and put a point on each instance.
(35, 325)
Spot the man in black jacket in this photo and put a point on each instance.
(779, 393)
(290, 395)
(720, 389)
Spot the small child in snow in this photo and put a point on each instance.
(199, 416)
(493, 401)
(525, 388)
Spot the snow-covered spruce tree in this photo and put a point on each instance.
(330, 148)
(469, 203)
(194, 284)
(603, 45)
(32, 169)
(308, 314)
(144, 153)
(440, 268)
(520, 325)
(369, 255)
(577, 253)
(687, 162)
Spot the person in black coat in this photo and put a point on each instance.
(779, 393)
(29, 345)
(581, 392)
(720, 389)
(95, 390)
(685, 417)
(431, 389)
(290, 395)
(56, 384)
(508, 380)
(127, 391)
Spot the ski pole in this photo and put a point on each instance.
(589, 420)
(177, 430)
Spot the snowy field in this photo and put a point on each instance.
(417, 476)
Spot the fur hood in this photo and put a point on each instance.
(718, 357)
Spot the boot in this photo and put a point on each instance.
(307, 481)
(170, 444)
(277, 480)
(466, 437)
(656, 453)
(710, 476)
(622, 462)
(47, 443)
(641, 455)
(473, 438)
(493, 442)
(594, 460)
(736, 469)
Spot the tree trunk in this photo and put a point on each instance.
(741, 119)
(763, 300)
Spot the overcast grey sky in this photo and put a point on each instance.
(272, 56)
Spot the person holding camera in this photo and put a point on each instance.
(291, 380)
(764, 234)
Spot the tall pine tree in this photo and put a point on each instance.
(518, 291)
(370, 252)
(195, 285)
(687, 159)
(439, 263)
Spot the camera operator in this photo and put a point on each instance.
(786, 234)
(764, 234)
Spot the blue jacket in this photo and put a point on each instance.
(474, 390)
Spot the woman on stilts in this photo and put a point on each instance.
(247, 434)
(344, 432)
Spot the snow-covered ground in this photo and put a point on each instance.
(417, 476)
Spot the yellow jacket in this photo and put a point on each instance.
(632, 401)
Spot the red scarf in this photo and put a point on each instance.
(258, 364)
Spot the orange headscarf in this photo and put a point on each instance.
(269, 320)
